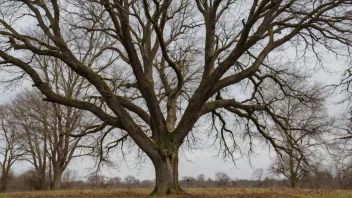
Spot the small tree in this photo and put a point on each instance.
(222, 179)
(114, 182)
(201, 179)
(69, 177)
(258, 174)
(131, 181)
(96, 181)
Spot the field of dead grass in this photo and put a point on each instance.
(193, 192)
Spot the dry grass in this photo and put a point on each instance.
(194, 192)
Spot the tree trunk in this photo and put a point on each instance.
(41, 179)
(3, 184)
(166, 170)
(50, 183)
(293, 183)
(57, 179)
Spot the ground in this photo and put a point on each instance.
(194, 192)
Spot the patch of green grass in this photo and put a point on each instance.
(193, 192)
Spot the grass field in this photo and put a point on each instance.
(193, 192)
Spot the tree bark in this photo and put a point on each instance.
(3, 184)
(41, 178)
(57, 179)
(166, 170)
(293, 183)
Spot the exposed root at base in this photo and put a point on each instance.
(179, 191)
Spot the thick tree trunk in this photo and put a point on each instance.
(49, 187)
(42, 183)
(166, 170)
(293, 183)
(57, 179)
(3, 184)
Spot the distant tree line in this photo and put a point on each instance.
(323, 178)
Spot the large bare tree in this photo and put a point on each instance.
(52, 131)
(46, 133)
(11, 149)
(30, 118)
(306, 132)
(155, 67)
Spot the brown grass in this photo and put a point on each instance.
(193, 192)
